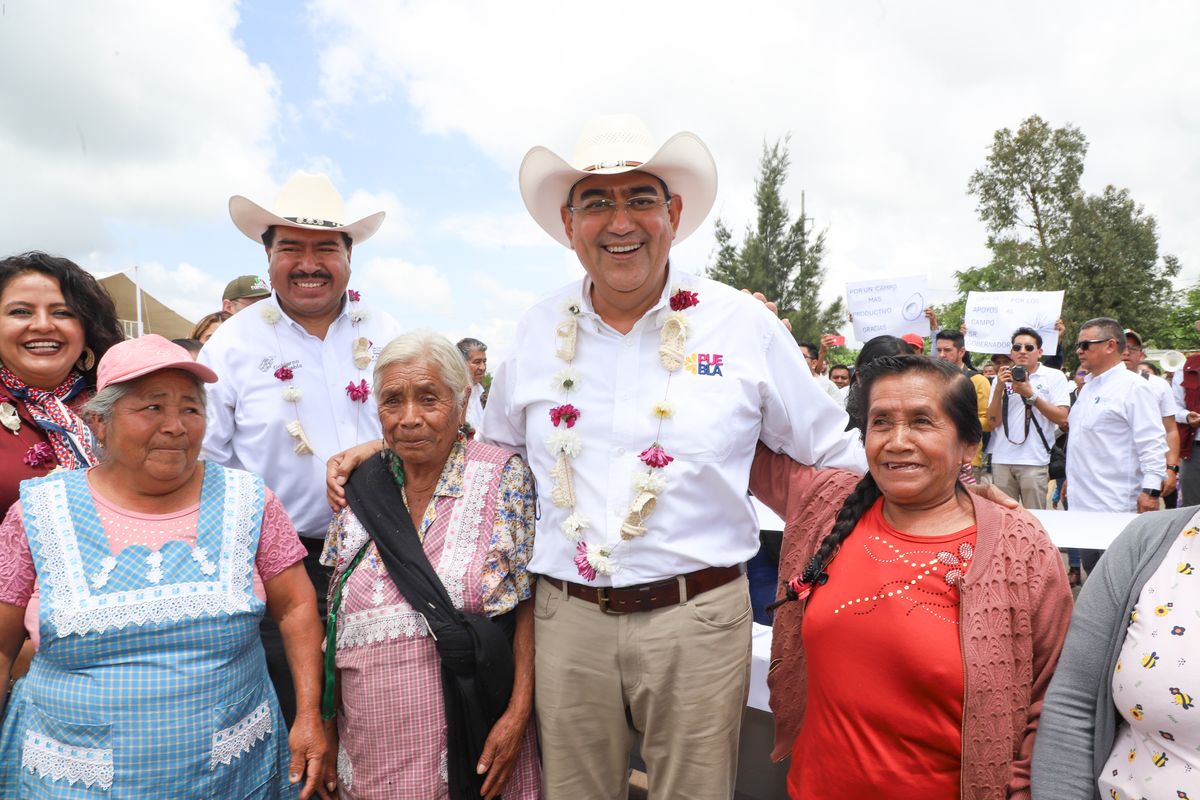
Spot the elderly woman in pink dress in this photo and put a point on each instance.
(402, 705)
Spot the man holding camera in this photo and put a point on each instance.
(1026, 407)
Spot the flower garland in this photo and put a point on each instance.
(565, 444)
(360, 353)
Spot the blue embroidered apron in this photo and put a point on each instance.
(150, 680)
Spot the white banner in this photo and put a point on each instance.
(894, 306)
(992, 317)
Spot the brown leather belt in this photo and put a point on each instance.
(648, 596)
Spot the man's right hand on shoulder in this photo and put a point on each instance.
(339, 467)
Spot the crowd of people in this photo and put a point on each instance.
(307, 553)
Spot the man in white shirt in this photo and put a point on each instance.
(638, 396)
(1134, 355)
(475, 353)
(1024, 411)
(1118, 454)
(295, 370)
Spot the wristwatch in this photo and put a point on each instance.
(1030, 401)
(1152, 492)
(1174, 468)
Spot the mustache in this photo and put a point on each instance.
(320, 274)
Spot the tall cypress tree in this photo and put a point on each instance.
(779, 256)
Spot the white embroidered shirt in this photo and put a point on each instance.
(248, 417)
(744, 379)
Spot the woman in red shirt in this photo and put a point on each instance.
(918, 624)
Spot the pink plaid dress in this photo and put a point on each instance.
(478, 534)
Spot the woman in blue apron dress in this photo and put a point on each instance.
(150, 679)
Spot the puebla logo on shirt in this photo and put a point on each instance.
(704, 363)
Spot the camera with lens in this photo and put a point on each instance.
(1020, 374)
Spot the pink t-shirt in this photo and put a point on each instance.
(278, 546)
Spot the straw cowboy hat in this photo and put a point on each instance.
(616, 143)
(305, 201)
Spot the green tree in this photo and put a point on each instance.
(779, 256)
(1046, 233)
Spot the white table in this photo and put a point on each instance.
(1093, 530)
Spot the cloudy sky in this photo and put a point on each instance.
(125, 127)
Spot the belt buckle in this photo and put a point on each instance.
(602, 600)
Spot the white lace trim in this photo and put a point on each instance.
(444, 767)
(463, 530)
(376, 625)
(230, 743)
(75, 609)
(345, 769)
(52, 759)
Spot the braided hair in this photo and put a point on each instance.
(958, 403)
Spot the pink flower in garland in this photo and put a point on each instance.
(359, 392)
(284, 374)
(586, 570)
(683, 299)
(39, 455)
(354, 295)
(565, 413)
(655, 457)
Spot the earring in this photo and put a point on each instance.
(87, 360)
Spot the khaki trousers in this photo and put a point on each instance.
(1023, 482)
(677, 675)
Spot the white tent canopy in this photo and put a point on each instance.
(154, 315)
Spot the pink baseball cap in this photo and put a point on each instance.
(134, 358)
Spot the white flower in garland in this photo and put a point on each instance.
(653, 481)
(663, 410)
(573, 527)
(566, 380)
(572, 306)
(359, 315)
(270, 313)
(601, 559)
(565, 443)
(292, 394)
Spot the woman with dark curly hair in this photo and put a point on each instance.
(918, 623)
(56, 323)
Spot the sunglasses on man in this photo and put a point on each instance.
(1084, 344)
(1028, 348)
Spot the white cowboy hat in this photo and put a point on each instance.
(305, 201)
(616, 143)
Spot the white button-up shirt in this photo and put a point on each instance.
(744, 379)
(1019, 446)
(1177, 394)
(1118, 445)
(248, 417)
(1163, 397)
(475, 406)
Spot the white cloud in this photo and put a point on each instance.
(126, 111)
(496, 231)
(501, 296)
(401, 288)
(397, 226)
(890, 109)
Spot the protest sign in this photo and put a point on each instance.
(893, 306)
(992, 317)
